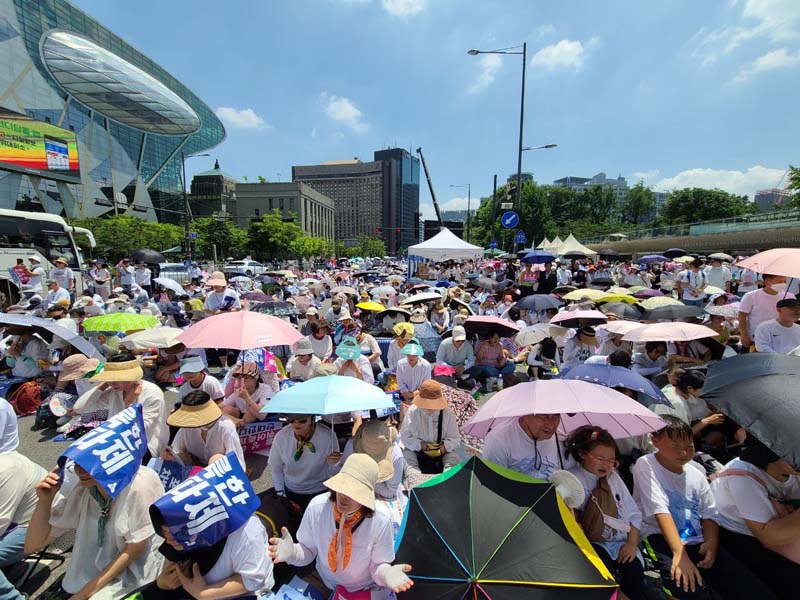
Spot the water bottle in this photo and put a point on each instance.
(499, 383)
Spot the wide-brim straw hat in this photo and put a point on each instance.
(356, 480)
(429, 396)
(77, 366)
(217, 278)
(374, 438)
(199, 415)
(130, 370)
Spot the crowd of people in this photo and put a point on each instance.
(700, 501)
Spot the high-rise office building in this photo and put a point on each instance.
(378, 198)
(772, 198)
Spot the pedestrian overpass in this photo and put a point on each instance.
(747, 233)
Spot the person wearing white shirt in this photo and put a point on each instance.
(752, 520)
(195, 378)
(760, 305)
(25, 352)
(303, 363)
(780, 335)
(692, 284)
(746, 279)
(652, 361)
(412, 369)
(421, 432)
(142, 276)
(35, 274)
(321, 342)
(9, 429)
(126, 274)
(303, 455)
(350, 361)
(580, 347)
(63, 274)
(718, 275)
(528, 445)
(563, 275)
(55, 294)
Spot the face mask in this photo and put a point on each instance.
(780, 287)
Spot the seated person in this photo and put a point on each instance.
(528, 445)
(688, 353)
(456, 351)
(243, 405)
(652, 361)
(430, 432)
(347, 518)
(370, 350)
(543, 359)
(195, 379)
(615, 541)
(402, 333)
(756, 526)
(18, 479)
(490, 359)
(321, 342)
(302, 457)
(303, 362)
(678, 512)
(440, 317)
(580, 347)
(412, 369)
(203, 435)
(26, 352)
(350, 361)
(380, 441)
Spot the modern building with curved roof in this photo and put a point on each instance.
(103, 112)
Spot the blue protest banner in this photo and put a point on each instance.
(112, 452)
(210, 505)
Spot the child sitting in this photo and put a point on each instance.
(678, 509)
(609, 514)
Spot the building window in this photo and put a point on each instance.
(257, 213)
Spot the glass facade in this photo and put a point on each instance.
(132, 118)
(406, 217)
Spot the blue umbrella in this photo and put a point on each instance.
(652, 258)
(327, 396)
(444, 284)
(611, 376)
(538, 257)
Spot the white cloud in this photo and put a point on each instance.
(344, 111)
(736, 182)
(565, 54)
(245, 118)
(777, 59)
(489, 65)
(646, 175)
(403, 8)
(777, 21)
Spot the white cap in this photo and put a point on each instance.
(35, 257)
(459, 333)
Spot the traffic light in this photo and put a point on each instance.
(511, 191)
(398, 231)
(378, 230)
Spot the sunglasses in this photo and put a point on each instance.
(291, 420)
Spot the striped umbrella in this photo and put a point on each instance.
(116, 322)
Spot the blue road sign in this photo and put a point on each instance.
(520, 238)
(510, 219)
(194, 235)
(493, 244)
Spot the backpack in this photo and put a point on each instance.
(601, 503)
(26, 399)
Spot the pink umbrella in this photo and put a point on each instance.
(778, 261)
(669, 332)
(579, 318)
(485, 325)
(620, 327)
(648, 293)
(578, 402)
(240, 330)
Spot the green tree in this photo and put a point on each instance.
(306, 246)
(639, 202)
(262, 179)
(119, 235)
(691, 205)
(794, 185)
(228, 239)
(272, 236)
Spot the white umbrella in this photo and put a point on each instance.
(536, 333)
(157, 337)
(620, 327)
(170, 284)
(669, 332)
(383, 289)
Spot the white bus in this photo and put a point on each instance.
(23, 234)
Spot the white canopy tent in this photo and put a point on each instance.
(545, 245)
(573, 245)
(445, 245)
(555, 246)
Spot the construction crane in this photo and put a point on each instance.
(430, 187)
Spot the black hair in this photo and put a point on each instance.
(366, 512)
(691, 378)
(121, 357)
(650, 346)
(620, 358)
(766, 276)
(757, 453)
(196, 398)
(549, 348)
(513, 313)
(675, 429)
(586, 439)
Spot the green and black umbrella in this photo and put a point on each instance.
(483, 532)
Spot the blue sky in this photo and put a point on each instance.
(675, 93)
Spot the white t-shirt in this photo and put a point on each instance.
(748, 280)
(691, 280)
(575, 353)
(509, 446)
(220, 439)
(244, 554)
(322, 348)
(760, 307)
(739, 497)
(410, 378)
(305, 372)
(35, 278)
(142, 276)
(627, 510)
(216, 300)
(718, 276)
(63, 276)
(128, 523)
(260, 396)
(372, 545)
(210, 386)
(305, 475)
(9, 429)
(772, 337)
(126, 275)
(364, 366)
(18, 478)
(419, 426)
(685, 496)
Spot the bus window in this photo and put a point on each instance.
(11, 236)
(53, 243)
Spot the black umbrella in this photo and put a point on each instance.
(486, 283)
(575, 254)
(276, 309)
(674, 252)
(601, 281)
(538, 302)
(393, 312)
(563, 290)
(145, 255)
(623, 310)
(672, 312)
(482, 326)
(746, 366)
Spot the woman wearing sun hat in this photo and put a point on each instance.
(402, 333)
(73, 381)
(203, 435)
(430, 428)
(351, 363)
(348, 536)
(64, 275)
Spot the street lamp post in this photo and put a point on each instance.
(187, 209)
(469, 201)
